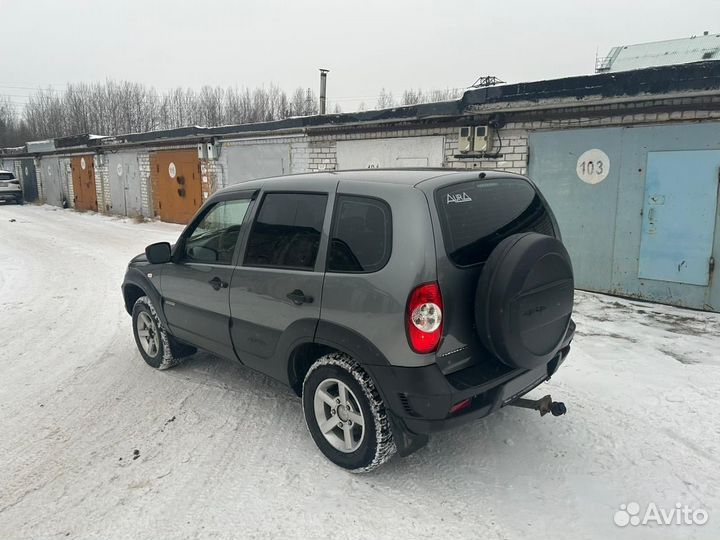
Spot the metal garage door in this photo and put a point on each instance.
(583, 200)
(83, 179)
(54, 181)
(391, 153)
(256, 161)
(125, 184)
(29, 179)
(679, 216)
(606, 185)
(176, 184)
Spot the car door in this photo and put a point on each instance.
(195, 286)
(276, 291)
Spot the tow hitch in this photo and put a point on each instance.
(544, 405)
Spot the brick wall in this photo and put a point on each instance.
(69, 188)
(299, 157)
(143, 159)
(322, 155)
(102, 182)
(38, 180)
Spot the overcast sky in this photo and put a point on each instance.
(367, 45)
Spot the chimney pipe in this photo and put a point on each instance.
(323, 89)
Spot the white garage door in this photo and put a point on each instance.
(256, 161)
(391, 153)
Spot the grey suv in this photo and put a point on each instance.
(396, 303)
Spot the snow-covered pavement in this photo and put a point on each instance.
(95, 444)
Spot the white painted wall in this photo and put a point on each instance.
(248, 162)
(391, 153)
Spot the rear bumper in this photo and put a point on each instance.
(420, 398)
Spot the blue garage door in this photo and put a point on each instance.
(679, 216)
(586, 211)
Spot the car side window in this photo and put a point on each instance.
(214, 238)
(361, 237)
(286, 232)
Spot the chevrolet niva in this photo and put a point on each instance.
(396, 303)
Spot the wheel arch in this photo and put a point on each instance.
(131, 293)
(136, 285)
(331, 337)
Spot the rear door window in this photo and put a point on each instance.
(286, 232)
(476, 216)
(361, 237)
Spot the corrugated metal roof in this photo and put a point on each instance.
(661, 53)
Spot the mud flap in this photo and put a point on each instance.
(405, 441)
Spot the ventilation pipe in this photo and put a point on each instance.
(323, 89)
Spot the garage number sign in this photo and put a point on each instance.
(82, 163)
(119, 169)
(593, 166)
(172, 171)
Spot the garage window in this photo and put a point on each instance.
(361, 238)
(286, 232)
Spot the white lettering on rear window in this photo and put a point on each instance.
(458, 198)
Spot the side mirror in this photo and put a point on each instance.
(158, 253)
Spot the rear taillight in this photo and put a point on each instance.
(423, 318)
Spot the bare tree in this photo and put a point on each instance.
(9, 123)
(116, 107)
(385, 100)
(297, 102)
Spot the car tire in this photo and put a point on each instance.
(19, 201)
(360, 445)
(158, 348)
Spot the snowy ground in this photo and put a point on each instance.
(95, 444)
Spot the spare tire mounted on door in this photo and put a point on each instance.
(524, 299)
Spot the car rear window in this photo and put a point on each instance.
(476, 216)
(7, 176)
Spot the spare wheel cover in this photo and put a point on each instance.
(524, 299)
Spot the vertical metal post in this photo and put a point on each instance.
(323, 89)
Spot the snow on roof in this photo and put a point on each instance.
(661, 53)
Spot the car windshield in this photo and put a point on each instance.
(6, 176)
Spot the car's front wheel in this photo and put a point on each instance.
(158, 348)
(346, 415)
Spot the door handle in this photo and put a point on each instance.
(298, 297)
(218, 283)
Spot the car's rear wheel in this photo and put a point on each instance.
(158, 348)
(346, 415)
